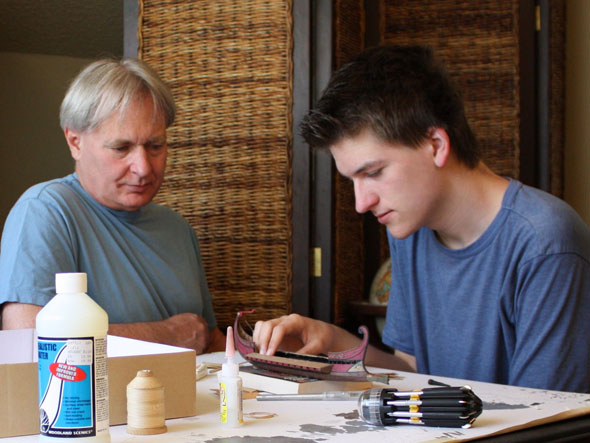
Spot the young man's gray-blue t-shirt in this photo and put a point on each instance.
(511, 308)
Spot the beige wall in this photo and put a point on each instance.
(32, 146)
(577, 112)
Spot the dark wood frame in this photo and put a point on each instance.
(301, 157)
(130, 17)
(321, 288)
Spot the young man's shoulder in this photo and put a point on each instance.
(550, 222)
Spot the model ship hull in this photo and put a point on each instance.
(344, 365)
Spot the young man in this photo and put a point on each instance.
(490, 278)
(142, 259)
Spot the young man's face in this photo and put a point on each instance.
(398, 184)
(121, 163)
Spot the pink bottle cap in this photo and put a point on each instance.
(230, 349)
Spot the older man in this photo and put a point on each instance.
(142, 259)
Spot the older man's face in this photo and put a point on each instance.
(121, 163)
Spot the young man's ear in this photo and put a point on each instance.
(73, 140)
(441, 146)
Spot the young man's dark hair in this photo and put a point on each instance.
(399, 93)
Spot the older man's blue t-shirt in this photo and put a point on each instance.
(511, 308)
(143, 265)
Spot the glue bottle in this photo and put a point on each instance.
(230, 387)
(73, 378)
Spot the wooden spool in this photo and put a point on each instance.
(145, 405)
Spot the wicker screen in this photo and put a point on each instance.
(228, 63)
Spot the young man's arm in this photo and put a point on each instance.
(308, 336)
(551, 325)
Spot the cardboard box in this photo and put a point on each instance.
(19, 397)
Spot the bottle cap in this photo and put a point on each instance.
(229, 368)
(70, 282)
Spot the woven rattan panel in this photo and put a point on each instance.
(478, 41)
(228, 63)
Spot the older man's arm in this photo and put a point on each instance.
(186, 330)
(19, 315)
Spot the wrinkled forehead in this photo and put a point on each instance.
(128, 107)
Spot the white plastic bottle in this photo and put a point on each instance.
(73, 378)
(230, 387)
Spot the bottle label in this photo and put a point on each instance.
(230, 403)
(73, 386)
(223, 402)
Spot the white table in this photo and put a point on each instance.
(506, 408)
